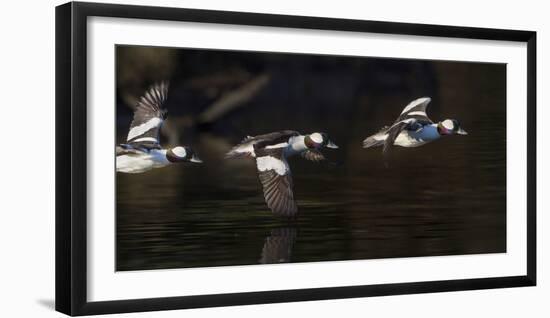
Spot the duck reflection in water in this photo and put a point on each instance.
(278, 246)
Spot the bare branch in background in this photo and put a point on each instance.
(219, 80)
(173, 127)
(139, 67)
(234, 99)
(129, 99)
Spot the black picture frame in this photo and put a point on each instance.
(71, 157)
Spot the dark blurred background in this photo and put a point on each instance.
(444, 198)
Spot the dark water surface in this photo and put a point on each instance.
(444, 198)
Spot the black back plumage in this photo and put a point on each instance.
(262, 141)
(259, 143)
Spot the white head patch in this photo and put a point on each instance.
(448, 124)
(179, 151)
(316, 137)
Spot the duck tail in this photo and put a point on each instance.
(373, 141)
(240, 151)
(237, 155)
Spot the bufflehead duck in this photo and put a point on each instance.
(142, 151)
(271, 152)
(413, 128)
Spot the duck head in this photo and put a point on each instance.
(450, 127)
(182, 154)
(319, 140)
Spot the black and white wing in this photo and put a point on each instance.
(413, 117)
(416, 110)
(394, 131)
(276, 180)
(148, 117)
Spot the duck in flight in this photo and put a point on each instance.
(271, 152)
(142, 151)
(413, 128)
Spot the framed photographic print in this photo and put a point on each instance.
(209, 158)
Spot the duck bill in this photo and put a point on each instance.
(195, 159)
(332, 145)
(461, 132)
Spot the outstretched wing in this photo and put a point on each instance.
(313, 155)
(148, 117)
(416, 110)
(276, 180)
(396, 129)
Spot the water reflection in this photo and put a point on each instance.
(444, 198)
(278, 246)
